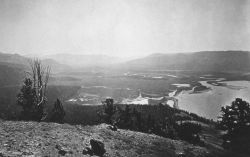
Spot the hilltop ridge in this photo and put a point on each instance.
(47, 139)
(219, 61)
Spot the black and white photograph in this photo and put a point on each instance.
(125, 78)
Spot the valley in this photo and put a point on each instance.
(166, 79)
(200, 92)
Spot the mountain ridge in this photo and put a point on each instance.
(84, 60)
(221, 61)
(19, 60)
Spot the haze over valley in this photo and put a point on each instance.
(199, 82)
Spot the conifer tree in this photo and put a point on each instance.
(109, 110)
(235, 121)
(58, 112)
(26, 99)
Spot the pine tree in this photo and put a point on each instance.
(58, 112)
(26, 99)
(109, 110)
(235, 121)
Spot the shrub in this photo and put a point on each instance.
(235, 121)
(26, 99)
(189, 132)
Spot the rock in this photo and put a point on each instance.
(62, 151)
(97, 147)
(112, 127)
(181, 154)
(87, 151)
(27, 153)
(1, 154)
(17, 153)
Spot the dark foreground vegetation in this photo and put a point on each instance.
(235, 121)
(160, 120)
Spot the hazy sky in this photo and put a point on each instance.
(123, 27)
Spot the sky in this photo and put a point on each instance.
(123, 28)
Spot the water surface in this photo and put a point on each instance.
(209, 103)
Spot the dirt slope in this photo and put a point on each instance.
(50, 139)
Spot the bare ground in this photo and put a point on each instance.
(19, 138)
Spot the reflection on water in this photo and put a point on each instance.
(209, 103)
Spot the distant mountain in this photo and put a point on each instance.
(13, 67)
(13, 58)
(77, 60)
(199, 61)
(11, 74)
(55, 66)
(21, 61)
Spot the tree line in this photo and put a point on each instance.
(132, 119)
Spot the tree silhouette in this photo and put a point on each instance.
(32, 97)
(58, 112)
(235, 121)
(125, 118)
(189, 131)
(109, 110)
(26, 99)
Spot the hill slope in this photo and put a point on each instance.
(198, 61)
(11, 74)
(47, 139)
(18, 60)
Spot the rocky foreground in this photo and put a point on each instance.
(50, 139)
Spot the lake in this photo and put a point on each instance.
(209, 103)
